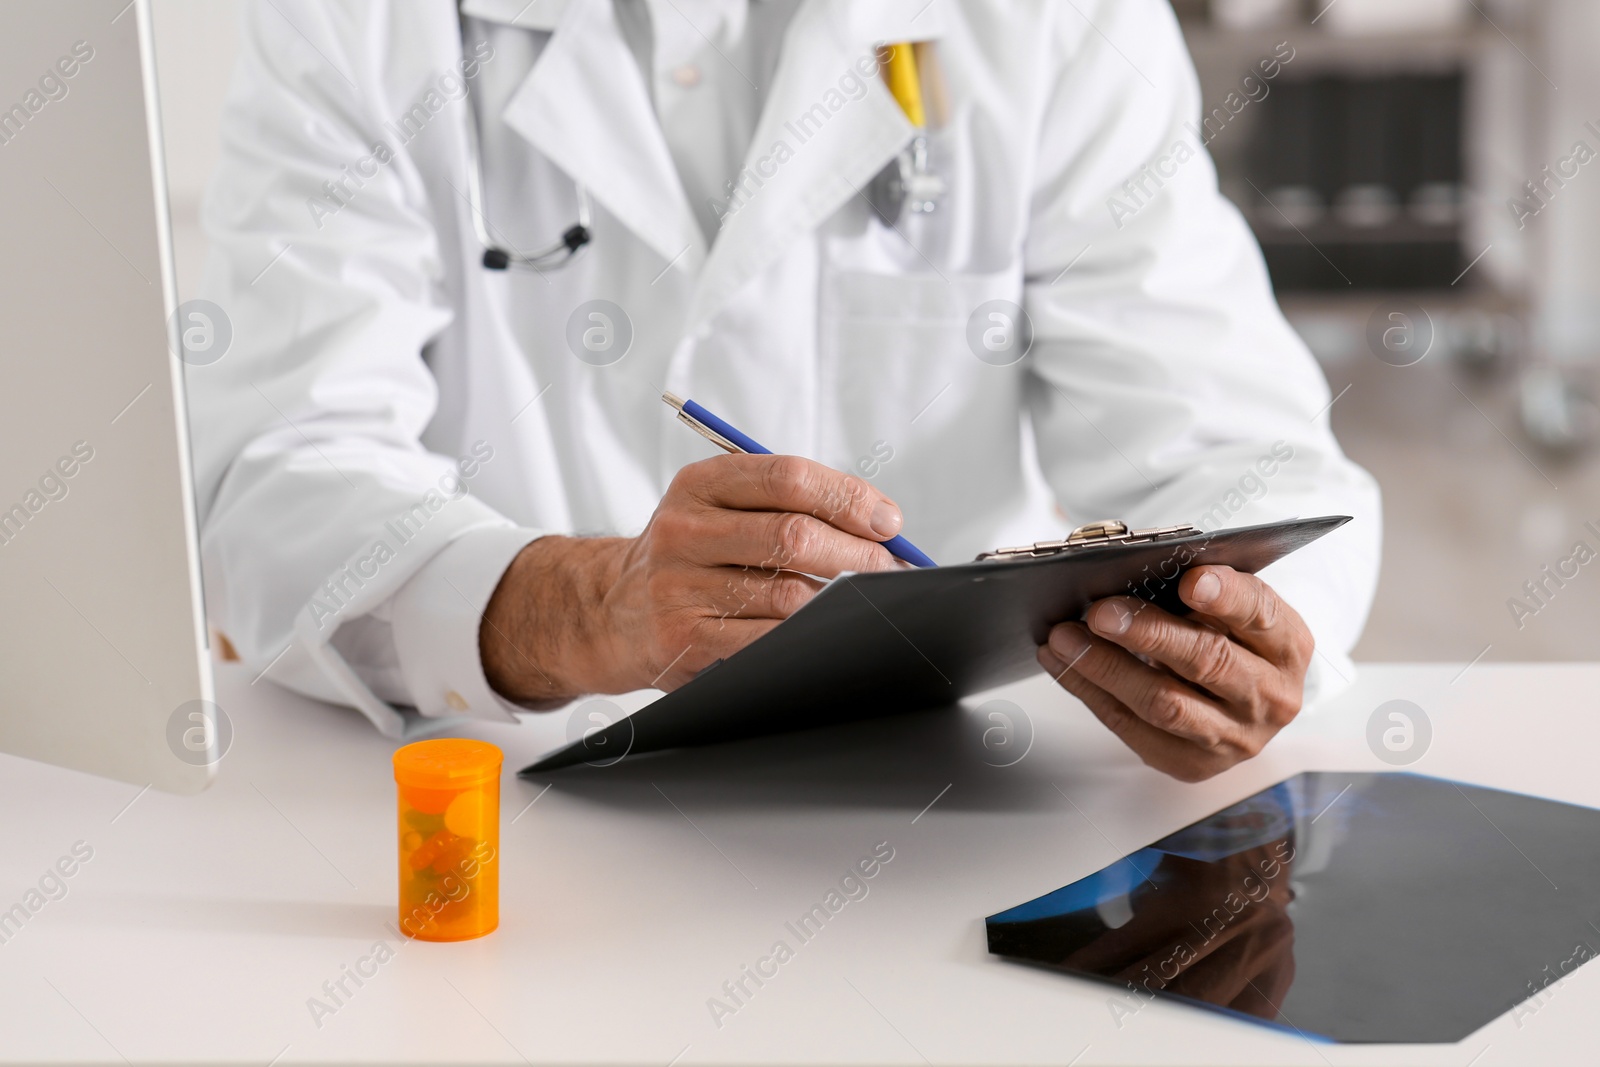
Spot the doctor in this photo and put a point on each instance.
(432, 488)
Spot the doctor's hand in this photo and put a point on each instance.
(729, 553)
(1190, 695)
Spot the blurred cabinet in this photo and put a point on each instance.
(1356, 181)
(1354, 165)
(1385, 162)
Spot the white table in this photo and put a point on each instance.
(201, 927)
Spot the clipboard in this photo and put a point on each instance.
(878, 644)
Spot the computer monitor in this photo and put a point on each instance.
(103, 658)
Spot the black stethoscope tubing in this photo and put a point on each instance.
(498, 256)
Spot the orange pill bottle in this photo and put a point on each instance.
(449, 818)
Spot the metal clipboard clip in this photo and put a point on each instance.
(1092, 535)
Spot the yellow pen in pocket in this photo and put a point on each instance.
(910, 183)
(904, 83)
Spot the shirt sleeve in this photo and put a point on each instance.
(435, 619)
(342, 557)
(1159, 350)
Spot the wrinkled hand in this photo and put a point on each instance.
(729, 553)
(1191, 695)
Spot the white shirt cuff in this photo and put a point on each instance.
(436, 616)
(1329, 674)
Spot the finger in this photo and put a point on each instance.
(1275, 976)
(753, 593)
(1219, 973)
(711, 640)
(1125, 953)
(790, 483)
(1250, 610)
(1190, 649)
(1156, 697)
(1163, 751)
(1246, 948)
(773, 541)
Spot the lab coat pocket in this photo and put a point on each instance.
(927, 371)
(895, 341)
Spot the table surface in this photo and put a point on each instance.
(201, 929)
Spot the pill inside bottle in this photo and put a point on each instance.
(449, 823)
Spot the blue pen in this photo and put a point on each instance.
(726, 437)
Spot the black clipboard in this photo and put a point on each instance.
(891, 642)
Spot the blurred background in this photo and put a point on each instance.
(1424, 178)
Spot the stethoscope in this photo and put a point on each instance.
(496, 257)
(908, 183)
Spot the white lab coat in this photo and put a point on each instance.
(373, 360)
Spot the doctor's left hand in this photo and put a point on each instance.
(1190, 695)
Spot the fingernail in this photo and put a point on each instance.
(885, 521)
(1068, 643)
(1110, 617)
(1206, 588)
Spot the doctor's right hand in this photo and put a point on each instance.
(735, 547)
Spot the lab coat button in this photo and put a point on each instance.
(456, 701)
(686, 76)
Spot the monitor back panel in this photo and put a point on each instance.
(102, 638)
